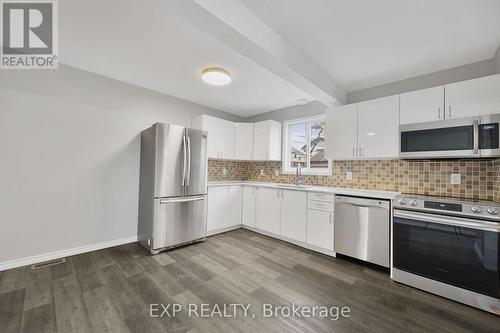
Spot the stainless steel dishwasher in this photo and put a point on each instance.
(362, 228)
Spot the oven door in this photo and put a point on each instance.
(440, 139)
(456, 251)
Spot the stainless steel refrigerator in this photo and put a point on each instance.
(173, 187)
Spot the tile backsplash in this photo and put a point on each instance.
(480, 179)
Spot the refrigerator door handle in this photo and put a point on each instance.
(188, 172)
(183, 182)
(182, 199)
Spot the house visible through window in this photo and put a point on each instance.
(304, 142)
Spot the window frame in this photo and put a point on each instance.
(286, 167)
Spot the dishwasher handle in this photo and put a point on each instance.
(362, 202)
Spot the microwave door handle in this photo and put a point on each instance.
(475, 124)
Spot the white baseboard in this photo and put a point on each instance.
(222, 230)
(64, 253)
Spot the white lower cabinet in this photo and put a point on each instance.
(248, 206)
(320, 229)
(294, 215)
(268, 209)
(224, 207)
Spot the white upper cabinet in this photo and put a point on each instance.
(473, 97)
(294, 215)
(248, 207)
(267, 141)
(243, 141)
(220, 138)
(378, 128)
(363, 130)
(422, 105)
(341, 132)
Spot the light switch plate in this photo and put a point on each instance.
(276, 172)
(455, 178)
(224, 171)
(348, 175)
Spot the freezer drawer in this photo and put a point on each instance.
(362, 229)
(179, 221)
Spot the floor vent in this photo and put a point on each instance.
(48, 263)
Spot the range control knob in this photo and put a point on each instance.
(402, 201)
(475, 209)
(492, 211)
(413, 203)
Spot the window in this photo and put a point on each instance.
(304, 143)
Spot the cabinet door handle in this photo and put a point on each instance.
(360, 152)
(449, 111)
(353, 152)
(439, 113)
(330, 218)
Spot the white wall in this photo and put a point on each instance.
(461, 73)
(497, 60)
(293, 112)
(70, 147)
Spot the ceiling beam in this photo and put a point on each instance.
(235, 25)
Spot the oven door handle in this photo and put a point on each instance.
(448, 220)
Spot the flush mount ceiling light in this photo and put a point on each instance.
(216, 76)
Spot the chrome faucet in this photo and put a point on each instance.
(299, 179)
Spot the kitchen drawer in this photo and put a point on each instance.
(326, 197)
(321, 205)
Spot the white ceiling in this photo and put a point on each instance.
(364, 43)
(149, 46)
(317, 45)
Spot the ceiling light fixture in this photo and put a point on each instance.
(216, 76)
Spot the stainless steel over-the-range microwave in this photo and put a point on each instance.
(471, 137)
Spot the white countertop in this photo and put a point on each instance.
(309, 188)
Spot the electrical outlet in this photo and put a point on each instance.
(224, 171)
(455, 178)
(276, 172)
(262, 172)
(348, 175)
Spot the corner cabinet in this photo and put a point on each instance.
(366, 130)
(243, 141)
(267, 141)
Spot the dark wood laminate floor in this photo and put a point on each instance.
(110, 291)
